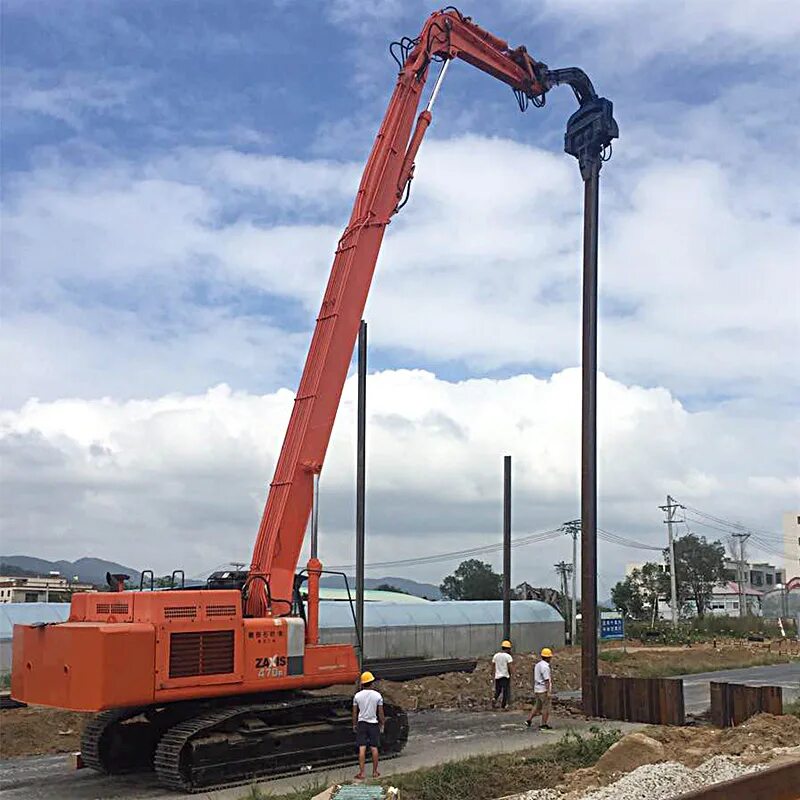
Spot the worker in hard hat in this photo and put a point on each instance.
(542, 690)
(368, 722)
(502, 674)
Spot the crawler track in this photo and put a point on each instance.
(195, 747)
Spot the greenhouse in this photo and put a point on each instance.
(454, 629)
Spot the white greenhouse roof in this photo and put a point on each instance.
(337, 614)
(444, 613)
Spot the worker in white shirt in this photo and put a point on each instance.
(368, 722)
(542, 690)
(502, 674)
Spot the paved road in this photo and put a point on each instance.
(436, 737)
(697, 695)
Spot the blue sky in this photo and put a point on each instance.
(176, 176)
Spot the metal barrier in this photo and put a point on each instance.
(775, 783)
(658, 701)
(733, 703)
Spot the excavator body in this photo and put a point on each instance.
(124, 649)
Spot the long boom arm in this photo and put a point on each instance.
(446, 35)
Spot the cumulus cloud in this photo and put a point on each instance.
(133, 272)
(179, 480)
(481, 269)
(701, 31)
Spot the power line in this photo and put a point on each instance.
(760, 543)
(615, 538)
(775, 537)
(531, 538)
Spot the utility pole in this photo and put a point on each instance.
(361, 481)
(669, 510)
(573, 528)
(507, 547)
(742, 538)
(564, 569)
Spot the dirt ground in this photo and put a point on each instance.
(473, 691)
(760, 740)
(35, 731)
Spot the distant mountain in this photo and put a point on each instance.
(87, 570)
(16, 572)
(427, 590)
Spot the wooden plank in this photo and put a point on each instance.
(775, 783)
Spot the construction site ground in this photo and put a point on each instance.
(468, 691)
(454, 721)
(436, 737)
(510, 761)
(38, 731)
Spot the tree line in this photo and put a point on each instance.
(699, 567)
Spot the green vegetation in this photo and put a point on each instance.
(637, 596)
(487, 777)
(5, 680)
(612, 656)
(473, 580)
(707, 629)
(690, 663)
(303, 793)
(699, 568)
(578, 751)
(792, 708)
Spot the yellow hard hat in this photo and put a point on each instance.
(505, 643)
(367, 677)
(546, 652)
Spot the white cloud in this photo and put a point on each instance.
(701, 30)
(481, 268)
(69, 96)
(179, 481)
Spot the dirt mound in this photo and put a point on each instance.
(630, 752)
(759, 735)
(35, 731)
(473, 691)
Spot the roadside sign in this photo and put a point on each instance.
(612, 625)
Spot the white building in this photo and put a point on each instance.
(725, 600)
(791, 543)
(50, 589)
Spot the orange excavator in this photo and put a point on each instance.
(212, 686)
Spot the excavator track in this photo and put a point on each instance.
(233, 745)
(107, 745)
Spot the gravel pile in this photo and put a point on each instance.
(656, 781)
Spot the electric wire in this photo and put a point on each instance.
(540, 536)
(726, 523)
